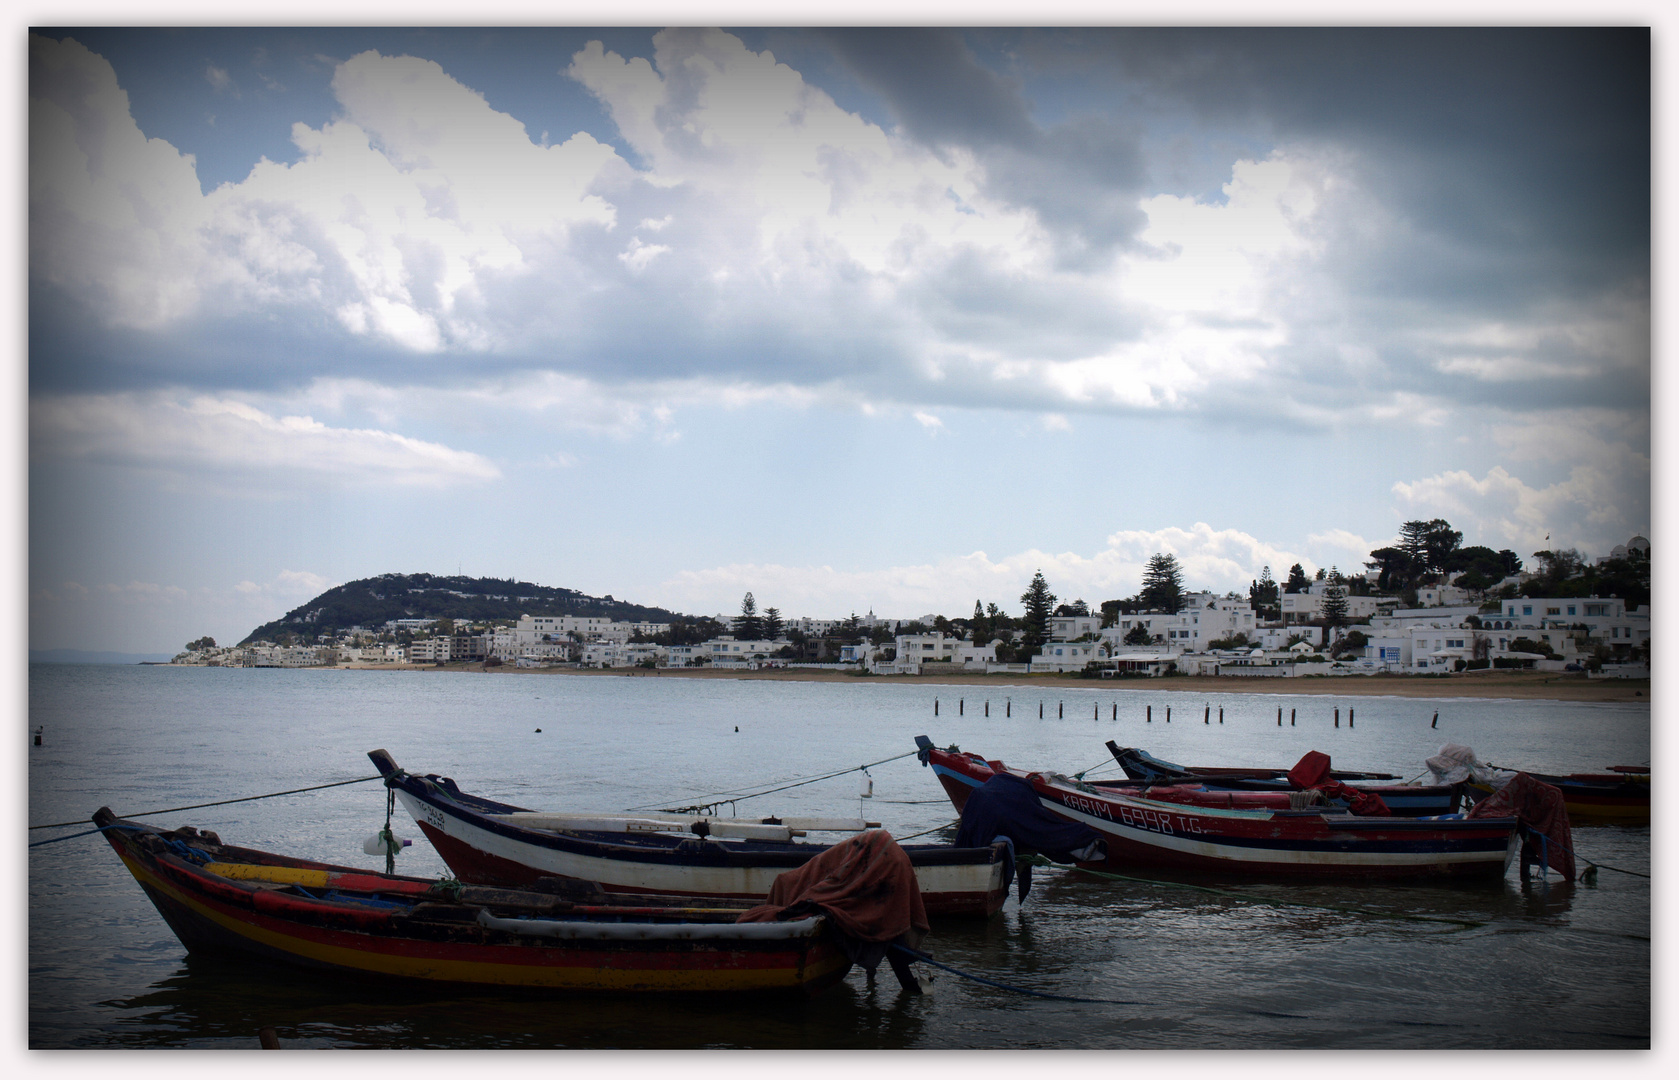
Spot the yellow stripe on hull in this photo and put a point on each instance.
(374, 957)
(277, 875)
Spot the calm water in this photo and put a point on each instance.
(1556, 966)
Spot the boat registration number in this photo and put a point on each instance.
(434, 816)
(1135, 817)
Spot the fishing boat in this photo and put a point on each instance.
(1321, 842)
(1620, 796)
(217, 897)
(1260, 787)
(1595, 798)
(493, 843)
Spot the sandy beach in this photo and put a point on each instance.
(1521, 685)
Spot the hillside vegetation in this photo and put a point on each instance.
(371, 602)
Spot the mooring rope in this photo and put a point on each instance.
(200, 806)
(928, 960)
(721, 797)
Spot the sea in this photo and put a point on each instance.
(1154, 964)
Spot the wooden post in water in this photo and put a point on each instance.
(1337, 716)
(1040, 710)
(1207, 715)
(935, 706)
(1279, 716)
(1116, 711)
(1350, 711)
(1168, 714)
(1291, 718)
(1435, 722)
(1008, 707)
(988, 708)
(1060, 710)
(961, 706)
(1096, 710)
(1151, 714)
(1221, 714)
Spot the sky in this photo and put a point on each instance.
(854, 319)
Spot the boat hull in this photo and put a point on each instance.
(480, 845)
(1607, 800)
(1143, 833)
(210, 914)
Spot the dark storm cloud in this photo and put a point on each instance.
(1083, 177)
(1532, 140)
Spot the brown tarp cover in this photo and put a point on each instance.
(1541, 807)
(865, 885)
(1311, 773)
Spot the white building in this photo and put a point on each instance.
(1560, 621)
(922, 648)
(1068, 655)
(1073, 627)
(1303, 607)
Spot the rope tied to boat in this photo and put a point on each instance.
(201, 806)
(730, 798)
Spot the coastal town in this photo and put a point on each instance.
(1378, 622)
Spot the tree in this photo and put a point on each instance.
(1297, 581)
(1138, 635)
(980, 626)
(773, 624)
(1395, 568)
(1038, 602)
(1263, 593)
(443, 628)
(1162, 584)
(1334, 610)
(1110, 613)
(205, 642)
(749, 625)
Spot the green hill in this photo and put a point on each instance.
(371, 602)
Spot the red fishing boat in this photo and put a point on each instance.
(1323, 842)
(494, 843)
(217, 897)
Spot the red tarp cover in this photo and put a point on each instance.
(1539, 806)
(1312, 772)
(866, 885)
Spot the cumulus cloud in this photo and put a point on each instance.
(1221, 560)
(389, 221)
(1586, 509)
(219, 435)
(924, 264)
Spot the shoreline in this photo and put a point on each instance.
(1521, 686)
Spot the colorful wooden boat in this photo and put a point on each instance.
(1321, 842)
(1211, 786)
(494, 843)
(217, 897)
(1616, 798)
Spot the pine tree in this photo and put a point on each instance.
(1162, 584)
(749, 626)
(773, 626)
(1334, 610)
(1039, 602)
(1297, 580)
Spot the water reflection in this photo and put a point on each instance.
(223, 1002)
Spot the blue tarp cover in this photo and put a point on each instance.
(1006, 806)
